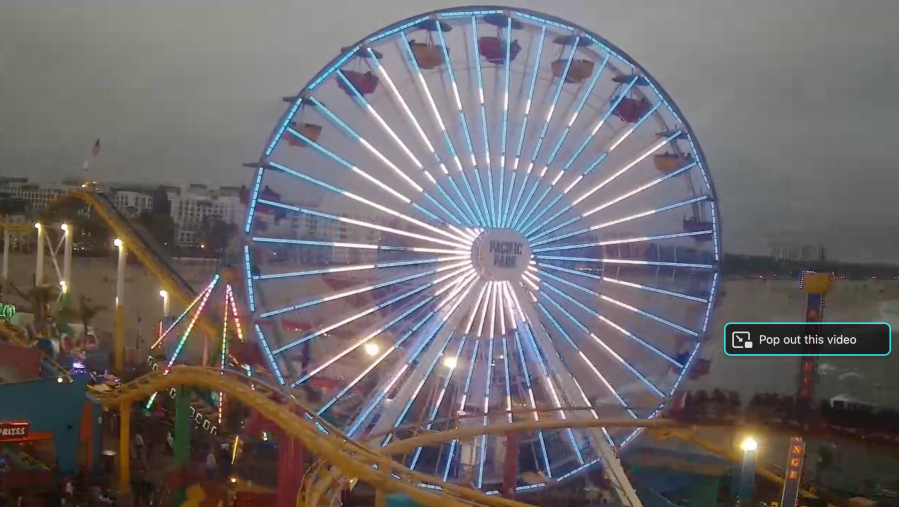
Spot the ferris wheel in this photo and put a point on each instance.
(489, 214)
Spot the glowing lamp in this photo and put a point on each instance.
(118, 243)
(749, 444)
(450, 362)
(372, 348)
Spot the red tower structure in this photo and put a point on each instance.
(815, 286)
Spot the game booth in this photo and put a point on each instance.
(49, 428)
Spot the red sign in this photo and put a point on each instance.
(13, 431)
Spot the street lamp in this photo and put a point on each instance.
(372, 348)
(165, 303)
(450, 362)
(750, 447)
(118, 243)
(749, 444)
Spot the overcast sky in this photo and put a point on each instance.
(795, 102)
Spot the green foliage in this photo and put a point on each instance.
(87, 311)
(13, 206)
(217, 234)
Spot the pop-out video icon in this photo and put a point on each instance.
(741, 340)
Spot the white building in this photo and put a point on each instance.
(39, 195)
(192, 205)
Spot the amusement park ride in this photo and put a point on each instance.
(502, 196)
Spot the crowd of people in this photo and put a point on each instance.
(775, 409)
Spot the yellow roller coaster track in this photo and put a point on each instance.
(422, 436)
(347, 458)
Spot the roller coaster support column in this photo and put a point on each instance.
(510, 466)
(290, 469)
(125, 448)
(120, 307)
(67, 262)
(182, 436)
(39, 267)
(815, 286)
(6, 239)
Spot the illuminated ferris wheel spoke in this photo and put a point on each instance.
(609, 322)
(370, 203)
(438, 118)
(450, 364)
(546, 121)
(553, 392)
(637, 216)
(453, 278)
(418, 387)
(602, 121)
(488, 163)
(504, 135)
(358, 246)
(383, 356)
(359, 267)
(472, 360)
(426, 350)
(465, 130)
(630, 262)
(361, 223)
(345, 294)
(602, 379)
(522, 326)
(421, 133)
(643, 156)
(623, 241)
(611, 352)
(352, 134)
(624, 283)
(526, 220)
(524, 127)
(447, 319)
(526, 377)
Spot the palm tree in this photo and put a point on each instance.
(87, 310)
(40, 299)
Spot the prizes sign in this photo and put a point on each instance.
(13, 431)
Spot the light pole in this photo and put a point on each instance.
(120, 308)
(750, 449)
(66, 283)
(39, 268)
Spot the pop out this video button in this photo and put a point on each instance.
(807, 339)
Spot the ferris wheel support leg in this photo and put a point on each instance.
(392, 412)
(613, 469)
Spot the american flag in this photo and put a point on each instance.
(96, 149)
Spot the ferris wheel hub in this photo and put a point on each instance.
(500, 254)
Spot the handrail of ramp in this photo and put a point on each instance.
(352, 459)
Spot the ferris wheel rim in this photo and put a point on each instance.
(345, 55)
